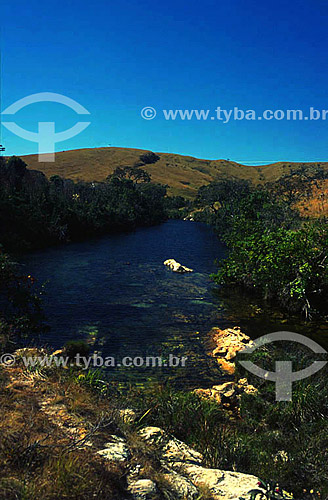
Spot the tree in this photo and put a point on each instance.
(131, 173)
(149, 158)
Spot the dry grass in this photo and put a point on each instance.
(52, 425)
(317, 204)
(184, 174)
(43, 440)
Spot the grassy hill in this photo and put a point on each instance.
(183, 174)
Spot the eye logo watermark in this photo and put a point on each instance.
(284, 375)
(46, 137)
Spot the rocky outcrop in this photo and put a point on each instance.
(176, 267)
(227, 345)
(185, 472)
(143, 489)
(228, 394)
(116, 451)
(180, 466)
(182, 487)
(223, 485)
(151, 463)
(171, 449)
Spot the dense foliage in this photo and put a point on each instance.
(35, 211)
(272, 251)
(20, 303)
(285, 263)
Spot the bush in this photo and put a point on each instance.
(272, 251)
(149, 158)
(286, 264)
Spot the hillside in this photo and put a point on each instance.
(184, 174)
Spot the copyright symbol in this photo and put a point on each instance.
(7, 359)
(148, 113)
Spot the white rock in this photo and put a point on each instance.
(117, 450)
(176, 267)
(186, 462)
(224, 485)
(170, 448)
(142, 489)
(181, 486)
(154, 435)
(177, 451)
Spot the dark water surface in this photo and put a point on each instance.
(116, 293)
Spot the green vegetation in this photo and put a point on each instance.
(285, 443)
(286, 264)
(149, 158)
(272, 250)
(177, 207)
(36, 212)
(20, 299)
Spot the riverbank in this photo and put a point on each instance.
(87, 436)
(36, 212)
(80, 443)
(274, 251)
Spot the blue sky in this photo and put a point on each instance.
(115, 58)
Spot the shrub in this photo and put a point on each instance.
(149, 158)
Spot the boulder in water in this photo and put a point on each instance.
(176, 267)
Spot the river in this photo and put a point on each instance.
(115, 293)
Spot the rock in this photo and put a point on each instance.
(250, 389)
(170, 449)
(116, 451)
(154, 436)
(176, 267)
(226, 366)
(177, 451)
(223, 485)
(228, 343)
(182, 487)
(224, 388)
(185, 473)
(224, 393)
(143, 489)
